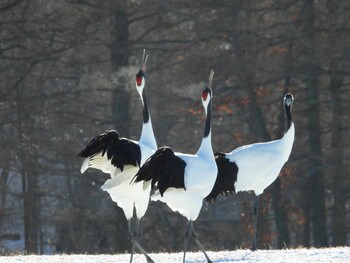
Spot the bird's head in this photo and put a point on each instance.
(288, 99)
(140, 79)
(207, 91)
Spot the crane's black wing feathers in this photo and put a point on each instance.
(165, 170)
(226, 178)
(99, 143)
(120, 151)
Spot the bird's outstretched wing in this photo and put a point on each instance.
(164, 168)
(226, 178)
(109, 149)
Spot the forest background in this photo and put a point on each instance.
(67, 73)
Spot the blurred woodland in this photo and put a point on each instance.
(67, 71)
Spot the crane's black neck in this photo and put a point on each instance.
(207, 121)
(145, 111)
(289, 118)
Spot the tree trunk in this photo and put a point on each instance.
(307, 224)
(316, 193)
(339, 177)
(121, 98)
(3, 194)
(316, 188)
(30, 213)
(120, 56)
(29, 180)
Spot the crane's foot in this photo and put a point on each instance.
(149, 260)
(253, 247)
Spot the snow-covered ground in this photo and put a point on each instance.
(336, 255)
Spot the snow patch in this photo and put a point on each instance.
(339, 255)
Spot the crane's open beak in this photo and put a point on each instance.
(144, 58)
(210, 80)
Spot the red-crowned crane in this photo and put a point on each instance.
(254, 167)
(184, 180)
(122, 158)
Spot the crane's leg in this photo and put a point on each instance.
(134, 235)
(187, 235)
(255, 212)
(195, 238)
(137, 227)
(132, 239)
(148, 258)
(191, 233)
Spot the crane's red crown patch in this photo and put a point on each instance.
(204, 94)
(138, 79)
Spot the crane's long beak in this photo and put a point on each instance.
(144, 58)
(210, 80)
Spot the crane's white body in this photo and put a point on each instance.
(200, 176)
(127, 194)
(260, 163)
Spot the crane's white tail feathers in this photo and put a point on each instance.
(85, 165)
(187, 203)
(126, 194)
(122, 178)
(147, 185)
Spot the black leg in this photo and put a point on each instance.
(187, 235)
(195, 238)
(255, 212)
(148, 258)
(137, 227)
(134, 243)
(132, 238)
(191, 233)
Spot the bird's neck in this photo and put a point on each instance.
(205, 148)
(288, 140)
(145, 111)
(289, 117)
(288, 137)
(207, 126)
(147, 135)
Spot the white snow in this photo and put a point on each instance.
(338, 255)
